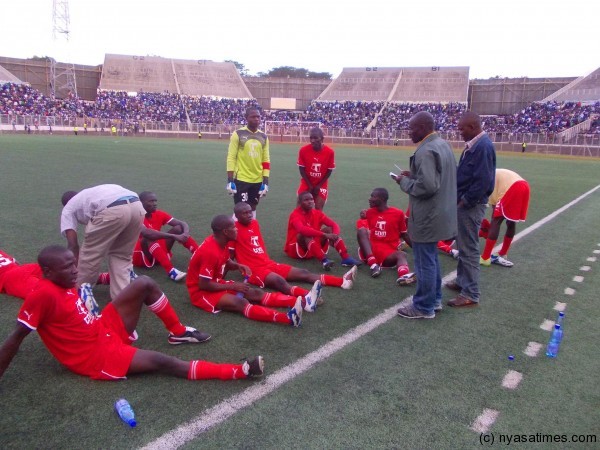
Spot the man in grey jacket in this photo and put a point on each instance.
(431, 187)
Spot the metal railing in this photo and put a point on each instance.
(41, 124)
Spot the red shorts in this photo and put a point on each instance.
(259, 274)
(323, 191)
(114, 347)
(208, 300)
(381, 250)
(141, 260)
(515, 203)
(293, 250)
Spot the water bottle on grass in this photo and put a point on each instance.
(554, 343)
(125, 412)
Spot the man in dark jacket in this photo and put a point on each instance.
(475, 182)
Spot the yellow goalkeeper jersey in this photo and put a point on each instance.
(248, 155)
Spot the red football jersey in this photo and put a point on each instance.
(208, 261)
(308, 223)
(386, 226)
(316, 164)
(17, 280)
(157, 220)
(250, 247)
(67, 328)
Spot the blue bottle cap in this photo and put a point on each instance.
(511, 357)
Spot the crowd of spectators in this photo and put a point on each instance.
(550, 117)
(350, 116)
(396, 115)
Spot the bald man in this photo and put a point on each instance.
(431, 186)
(475, 183)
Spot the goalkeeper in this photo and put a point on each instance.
(248, 162)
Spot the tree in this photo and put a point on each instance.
(293, 72)
(240, 67)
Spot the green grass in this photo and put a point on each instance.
(406, 384)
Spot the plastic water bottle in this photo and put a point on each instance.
(560, 319)
(125, 412)
(554, 343)
(241, 294)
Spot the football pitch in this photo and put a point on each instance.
(354, 375)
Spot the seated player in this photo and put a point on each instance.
(210, 292)
(155, 245)
(378, 236)
(310, 233)
(316, 162)
(249, 249)
(510, 199)
(19, 280)
(100, 347)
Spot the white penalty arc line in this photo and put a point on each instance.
(230, 406)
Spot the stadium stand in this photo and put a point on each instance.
(365, 84)
(156, 74)
(432, 84)
(583, 89)
(7, 77)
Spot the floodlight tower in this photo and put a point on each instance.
(61, 79)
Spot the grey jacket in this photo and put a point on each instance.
(432, 191)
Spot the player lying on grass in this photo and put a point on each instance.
(210, 292)
(155, 245)
(100, 346)
(379, 234)
(249, 249)
(310, 233)
(510, 200)
(19, 280)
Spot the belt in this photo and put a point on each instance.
(123, 201)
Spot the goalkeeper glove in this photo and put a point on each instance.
(231, 189)
(264, 188)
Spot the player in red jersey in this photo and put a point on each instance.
(249, 249)
(19, 280)
(100, 346)
(310, 232)
(379, 242)
(210, 292)
(155, 245)
(510, 199)
(316, 162)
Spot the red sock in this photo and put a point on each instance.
(298, 291)
(505, 246)
(103, 278)
(278, 300)
(159, 254)
(487, 250)
(165, 312)
(315, 250)
(331, 280)
(205, 370)
(371, 260)
(340, 246)
(403, 270)
(191, 244)
(262, 314)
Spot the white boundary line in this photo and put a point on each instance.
(230, 406)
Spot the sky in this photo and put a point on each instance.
(507, 38)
